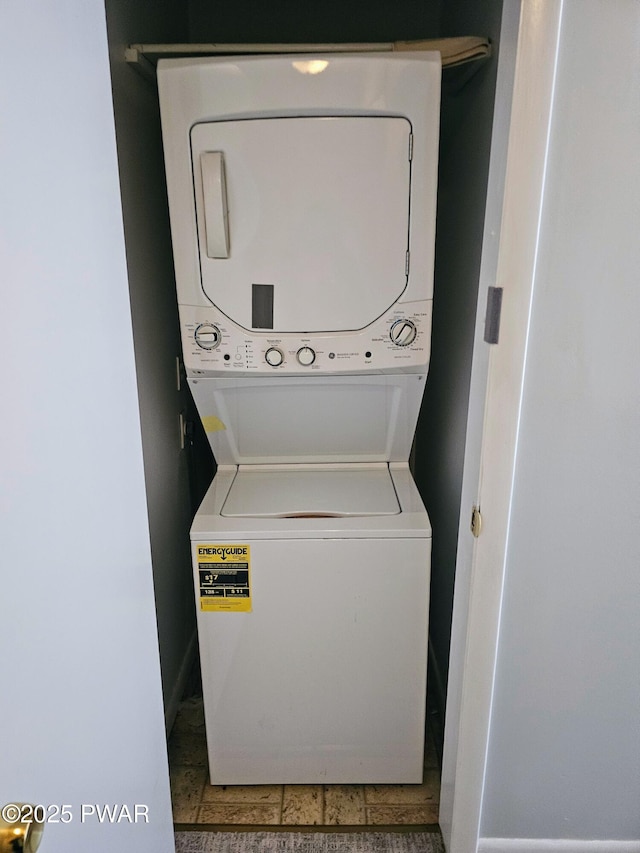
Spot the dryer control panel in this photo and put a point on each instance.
(213, 345)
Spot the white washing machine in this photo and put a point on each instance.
(302, 200)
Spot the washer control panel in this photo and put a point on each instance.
(214, 345)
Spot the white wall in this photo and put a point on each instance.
(564, 752)
(81, 705)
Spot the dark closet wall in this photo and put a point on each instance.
(465, 141)
(467, 107)
(324, 21)
(155, 328)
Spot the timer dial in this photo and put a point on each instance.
(207, 336)
(306, 356)
(403, 332)
(274, 356)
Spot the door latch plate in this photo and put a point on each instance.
(476, 521)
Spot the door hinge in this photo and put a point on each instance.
(411, 146)
(492, 317)
(476, 521)
(406, 264)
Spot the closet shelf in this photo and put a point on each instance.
(454, 51)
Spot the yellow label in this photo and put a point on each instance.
(224, 577)
(212, 424)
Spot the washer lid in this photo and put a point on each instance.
(312, 492)
(303, 223)
(306, 420)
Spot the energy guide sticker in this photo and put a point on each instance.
(224, 577)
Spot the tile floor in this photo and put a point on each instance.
(196, 802)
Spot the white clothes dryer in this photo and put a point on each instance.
(302, 202)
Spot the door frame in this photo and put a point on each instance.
(492, 445)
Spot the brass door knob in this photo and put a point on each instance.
(20, 831)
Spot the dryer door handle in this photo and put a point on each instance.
(216, 213)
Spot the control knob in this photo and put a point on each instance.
(306, 356)
(274, 356)
(403, 332)
(207, 336)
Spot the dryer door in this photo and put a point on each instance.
(303, 223)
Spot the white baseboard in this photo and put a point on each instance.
(555, 845)
(171, 707)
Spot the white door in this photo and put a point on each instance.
(303, 223)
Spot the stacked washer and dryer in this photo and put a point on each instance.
(302, 194)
